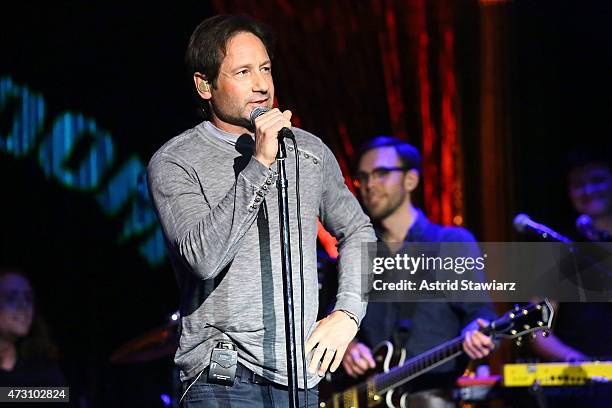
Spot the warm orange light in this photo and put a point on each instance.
(328, 241)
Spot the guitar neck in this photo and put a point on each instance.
(418, 365)
(513, 324)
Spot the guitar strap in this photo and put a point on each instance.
(404, 311)
(402, 329)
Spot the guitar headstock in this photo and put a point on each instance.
(520, 321)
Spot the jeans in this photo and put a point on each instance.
(244, 393)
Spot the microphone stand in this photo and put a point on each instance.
(283, 215)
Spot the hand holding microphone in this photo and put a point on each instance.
(268, 124)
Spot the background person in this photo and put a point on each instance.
(389, 172)
(28, 358)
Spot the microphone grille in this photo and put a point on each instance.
(257, 112)
(521, 221)
(584, 223)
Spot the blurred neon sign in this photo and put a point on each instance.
(80, 156)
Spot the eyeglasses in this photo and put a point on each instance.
(376, 175)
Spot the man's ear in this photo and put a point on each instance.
(411, 180)
(202, 86)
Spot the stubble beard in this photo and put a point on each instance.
(234, 120)
(385, 208)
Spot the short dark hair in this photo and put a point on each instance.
(408, 154)
(208, 42)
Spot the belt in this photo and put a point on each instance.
(245, 374)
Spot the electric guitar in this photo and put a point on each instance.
(379, 390)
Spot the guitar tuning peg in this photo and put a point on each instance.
(516, 307)
(519, 341)
(534, 335)
(545, 333)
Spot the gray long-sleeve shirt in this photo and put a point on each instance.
(218, 208)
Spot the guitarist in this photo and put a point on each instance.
(388, 174)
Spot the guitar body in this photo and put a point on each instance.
(355, 395)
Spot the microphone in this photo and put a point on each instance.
(584, 225)
(524, 224)
(258, 111)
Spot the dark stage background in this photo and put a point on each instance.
(494, 92)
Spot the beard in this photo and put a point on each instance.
(236, 120)
(386, 206)
(233, 116)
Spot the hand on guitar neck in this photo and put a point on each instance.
(476, 344)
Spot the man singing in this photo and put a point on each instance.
(213, 188)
